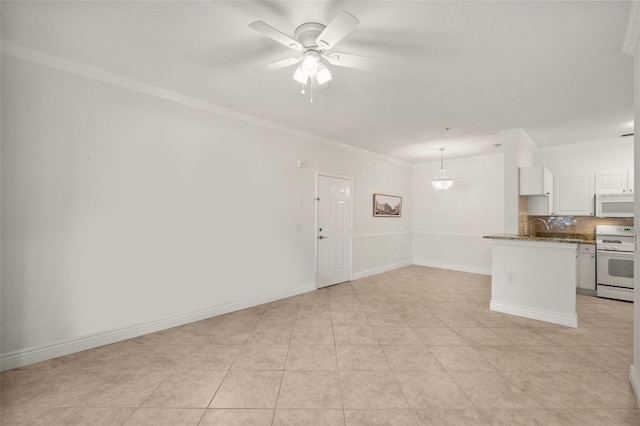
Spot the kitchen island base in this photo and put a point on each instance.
(535, 279)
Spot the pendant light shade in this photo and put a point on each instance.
(441, 182)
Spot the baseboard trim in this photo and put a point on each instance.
(24, 357)
(368, 272)
(586, 292)
(453, 267)
(634, 379)
(561, 319)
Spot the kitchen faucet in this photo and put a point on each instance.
(546, 226)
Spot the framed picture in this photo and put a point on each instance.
(387, 205)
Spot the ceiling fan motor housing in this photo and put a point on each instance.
(307, 35)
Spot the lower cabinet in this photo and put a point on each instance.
(586, 266)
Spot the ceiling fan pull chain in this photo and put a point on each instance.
(302, 92)
(310, 91)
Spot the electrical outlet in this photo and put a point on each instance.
(511, 277)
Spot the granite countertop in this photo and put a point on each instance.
(547, 236)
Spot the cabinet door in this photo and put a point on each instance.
(536, 180)
(587, 273)
(611, 182)
(531, 180)
(573, 195)
(539, 205)
(547, 182)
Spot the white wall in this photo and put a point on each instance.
(586, 158)
(382, 243)
(632, 47)
(519, 151)
(449, 226)
(124, 213)
(635, 368)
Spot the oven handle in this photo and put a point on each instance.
(613, 253)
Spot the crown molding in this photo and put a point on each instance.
(98, 74)
(586, 144)
(508, 136)
(632, 36)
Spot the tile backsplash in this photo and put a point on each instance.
(523, 218)
(584, 225)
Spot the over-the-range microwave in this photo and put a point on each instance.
(614, 205)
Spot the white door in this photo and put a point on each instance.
(334, 230)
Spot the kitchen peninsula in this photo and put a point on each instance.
(534, 277)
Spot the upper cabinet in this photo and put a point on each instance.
(536, 180)
(569, 195)
(574, 195)
(614, 182)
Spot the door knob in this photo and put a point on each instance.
(321, 237)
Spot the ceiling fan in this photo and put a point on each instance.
(313, 41)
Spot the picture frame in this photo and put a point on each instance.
(387, 205)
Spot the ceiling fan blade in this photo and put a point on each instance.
(352, 61)
(276, 35)
(280, 64)
(337, 30)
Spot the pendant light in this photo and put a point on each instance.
(441, 181)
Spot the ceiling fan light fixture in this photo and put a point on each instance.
(301, 75)
(310, 62)
(441, 182)
(323, 75)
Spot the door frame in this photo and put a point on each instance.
(316, 233)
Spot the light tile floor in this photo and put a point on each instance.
(414, 346)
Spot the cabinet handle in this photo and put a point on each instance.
(624, 190)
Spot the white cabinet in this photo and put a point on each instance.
(536, 182)
(539, 205)
(573, 196)
(586, 267)
(614, 182)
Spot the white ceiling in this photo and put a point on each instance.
(554, 69)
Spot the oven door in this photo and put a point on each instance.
(615, 268)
